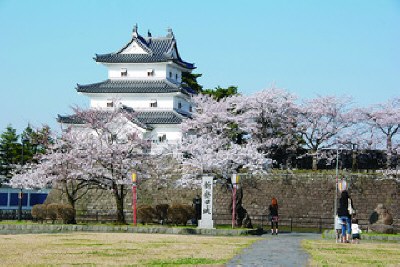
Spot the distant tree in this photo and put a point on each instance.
(36, 141)
(219, 93)
(385, 118)
(10, 152)
(191, 80)
(320, 120)
(269, 117)
(207, 146)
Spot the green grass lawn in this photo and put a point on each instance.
(329, 253)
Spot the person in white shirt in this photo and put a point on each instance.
(355, 231)
(338, 229)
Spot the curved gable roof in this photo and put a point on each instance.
(158, 49)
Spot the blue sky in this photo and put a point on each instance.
(309, 48)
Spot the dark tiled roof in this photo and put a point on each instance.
(70, 119)
(159, 117)
(142, 118)
(158, 50)
(134, 86)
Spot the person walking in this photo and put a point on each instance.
(273, 215)
(345, 211)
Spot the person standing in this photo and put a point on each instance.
(344, 212)
(273, 215)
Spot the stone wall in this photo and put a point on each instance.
(298, 196)
(313, 195)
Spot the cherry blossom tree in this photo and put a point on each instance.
(207, 145)
(62, 166)
(320, 120)
(269, 117)
(103, 148)
(385, 118)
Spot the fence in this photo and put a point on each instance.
(288, 223)
(12, 214)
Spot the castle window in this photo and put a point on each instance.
(190, 108)
(179, 105)
(170, 74)
(150, 72)
(153, 103)
(110, 104)
(176, 76)
(124, 72)
(162, 138)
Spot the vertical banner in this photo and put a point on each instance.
(206, 203)
(343, 185)
(134, 198)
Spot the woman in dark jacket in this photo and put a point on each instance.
(344, 215)
(273, 214)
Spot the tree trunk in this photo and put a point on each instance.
(72, 202)
(71, 197)
(119, 199)
(314, 160)
(388, 152)
(354, 164)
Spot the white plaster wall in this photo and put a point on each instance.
(172, 132)
(164, 102)
(185, 103)
(137, 71)
(174, 70)
(133, 48)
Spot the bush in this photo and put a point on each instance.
(66, 213)
(52, 211)
(39, 212)
(180, 213)
(162, 212)
(146, 214)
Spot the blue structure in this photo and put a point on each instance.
(9, 198)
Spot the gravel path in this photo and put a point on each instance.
(275, 250)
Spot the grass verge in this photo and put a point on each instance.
(329, 253)
(119, 249)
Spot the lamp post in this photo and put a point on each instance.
(336, 188)
(134, 198)
(354, 157)
(20, 194)
(235, 181)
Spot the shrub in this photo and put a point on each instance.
(39, 212)
(162, 212)
(52, 211)
(180, 213)
(146, 214)
(66, 213)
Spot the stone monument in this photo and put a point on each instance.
(381, 220)
(206, 203)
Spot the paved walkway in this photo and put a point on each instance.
(275, 250)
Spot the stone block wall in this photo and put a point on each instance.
(314, 195)
(298, 196)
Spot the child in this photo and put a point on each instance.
(338, 228)
(355, 231)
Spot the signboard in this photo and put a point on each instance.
(206, 203)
